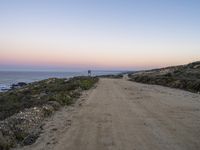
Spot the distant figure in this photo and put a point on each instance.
(89, 72)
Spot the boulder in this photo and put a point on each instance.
(30, 139)
(18, 85)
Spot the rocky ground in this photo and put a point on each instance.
(185, 77)
(23, 110)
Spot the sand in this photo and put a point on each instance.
(122, 115)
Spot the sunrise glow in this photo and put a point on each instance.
(99, 35)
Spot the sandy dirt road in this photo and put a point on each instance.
(124, 115)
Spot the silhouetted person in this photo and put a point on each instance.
(89, 72)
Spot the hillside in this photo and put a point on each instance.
(185, 77)
(22, 110)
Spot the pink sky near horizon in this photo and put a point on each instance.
(94, 52)
(95, 59)
(99, 54)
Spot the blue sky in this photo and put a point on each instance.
(102, 34)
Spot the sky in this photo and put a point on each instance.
(98, 34)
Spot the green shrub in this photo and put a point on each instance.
(38, 93)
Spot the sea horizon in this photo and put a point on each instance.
(9, 77)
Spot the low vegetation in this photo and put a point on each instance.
(23, 109)
(185, 77)
(39, 93)
(117, 76)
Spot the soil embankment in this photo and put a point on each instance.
(185, 77)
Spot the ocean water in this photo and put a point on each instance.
(7, 78)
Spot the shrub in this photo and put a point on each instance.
(38, 93)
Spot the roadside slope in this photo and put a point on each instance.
(185, 77)
(124, 115)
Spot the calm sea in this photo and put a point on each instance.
(7, 78)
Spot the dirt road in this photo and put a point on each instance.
(123, 115)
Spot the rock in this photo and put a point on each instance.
(5, 89)
(54, 104)
(30, 139)
(22, 84)
(54, 129)
(18, 85)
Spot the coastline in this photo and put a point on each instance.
(8, 78)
